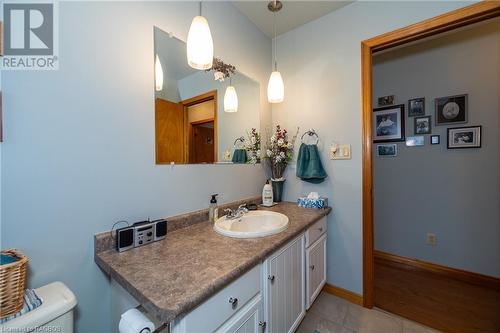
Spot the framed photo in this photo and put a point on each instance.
(422, 125)
(386, 100)
(464, 137)
(451, 109)
(435, 139)
(416, 107)
(389, 150)
(414, 141)
(389, 124)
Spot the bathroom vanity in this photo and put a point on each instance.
(200, 281)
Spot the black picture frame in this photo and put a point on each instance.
(418, 130)
(394, 114)
(386, 100)
(416, 107)
(435, 139)
(451, 109)
(467, 130)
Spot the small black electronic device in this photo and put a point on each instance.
(125, 238)
(160, 229)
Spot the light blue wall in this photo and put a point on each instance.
(79, 148)
(320, 64)
(452, 193)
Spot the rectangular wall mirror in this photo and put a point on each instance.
(192, 125)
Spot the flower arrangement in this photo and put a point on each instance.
(252, 146)
(279, 151)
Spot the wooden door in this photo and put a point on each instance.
(284, 289)
(203, 143)
(315, 269)
(169, 132)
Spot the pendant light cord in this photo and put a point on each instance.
(200, 8)
(275, 43)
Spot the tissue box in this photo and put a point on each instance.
(313, 203)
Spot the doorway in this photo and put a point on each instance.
(201, 128)
(463, 17)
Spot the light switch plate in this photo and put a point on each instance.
(340, 152)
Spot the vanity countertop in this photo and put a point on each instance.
(171, 277)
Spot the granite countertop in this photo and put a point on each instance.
(171, 277)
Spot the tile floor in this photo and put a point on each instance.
(331, 314)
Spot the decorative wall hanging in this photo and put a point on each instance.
(386, 100)
(415, 141)
(416, 107)
(389, 124)
(435, 139)
(221, 70)
(388, 150)
(464, 137)
(451, 109)
(422, 125)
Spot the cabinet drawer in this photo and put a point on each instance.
(315, 231)
(218, 309)
(316, 269)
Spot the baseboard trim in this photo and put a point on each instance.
(343, 293)
(454, 273)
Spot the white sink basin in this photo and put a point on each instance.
(253, 224)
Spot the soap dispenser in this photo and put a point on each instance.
(267, 195)
(213, 210)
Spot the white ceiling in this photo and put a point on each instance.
(292, 15)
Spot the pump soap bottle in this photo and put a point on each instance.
(267, 195)
(213, 210)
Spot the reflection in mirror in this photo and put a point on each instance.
(192, 125)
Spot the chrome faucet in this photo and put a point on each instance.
(236, 214)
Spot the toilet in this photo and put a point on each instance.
(54, 315)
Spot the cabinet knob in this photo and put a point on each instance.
(271, 278)
(320, 229)
(262, 324)
(312, 267)
(233, 301)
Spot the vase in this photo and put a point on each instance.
(277, 189)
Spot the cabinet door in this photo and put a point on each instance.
(315, 269)
(284, 288)
(247, 320)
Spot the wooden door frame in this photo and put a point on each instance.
(449, 21)
(208, 96)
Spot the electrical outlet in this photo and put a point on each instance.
(340, 152)
(431, 239)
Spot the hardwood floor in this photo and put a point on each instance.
(435, 300)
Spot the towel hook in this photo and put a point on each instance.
(240, 139)
(310, 132)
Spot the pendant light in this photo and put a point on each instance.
(200, 46)
(230, 99)
(158, 74)
(275, 86)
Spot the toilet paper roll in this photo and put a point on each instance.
(134, 321)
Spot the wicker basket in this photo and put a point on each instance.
(12, 284)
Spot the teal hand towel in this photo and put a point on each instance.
(309, 167)
(240, 156)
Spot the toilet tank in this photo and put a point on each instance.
(54, 315)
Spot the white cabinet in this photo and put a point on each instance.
(315, 269)
(247, 320)
(218, 309)
(284, 283)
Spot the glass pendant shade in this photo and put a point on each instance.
(158, 74)
(230, 100)
(200, 46)
(275, 88)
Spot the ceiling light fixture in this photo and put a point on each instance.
(230, 99)
(200, 46)
(275, 86)
(158, 74)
